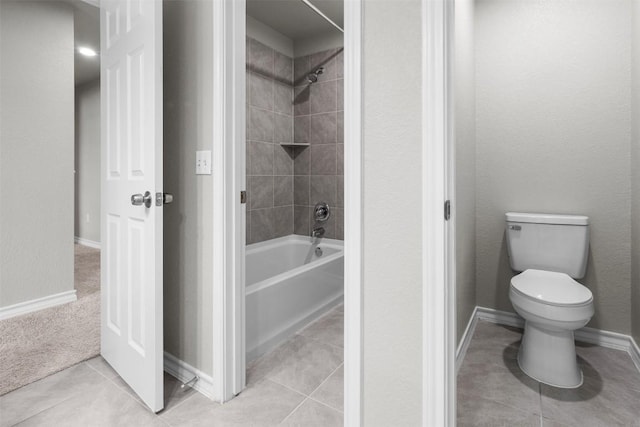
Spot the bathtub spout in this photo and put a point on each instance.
(318, 232)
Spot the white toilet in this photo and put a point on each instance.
(550, 251)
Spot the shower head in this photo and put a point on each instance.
(313, 77)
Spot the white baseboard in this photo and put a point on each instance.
(598, 337)
(466, 338)
(37, 304)
(87, 242)
(184, 372)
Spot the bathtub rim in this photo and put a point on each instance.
(267, 244)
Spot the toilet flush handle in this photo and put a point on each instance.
(515, 227)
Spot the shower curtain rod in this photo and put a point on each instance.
(319, 12)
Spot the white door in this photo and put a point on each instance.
(131, 148)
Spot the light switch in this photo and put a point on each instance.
(203, 162)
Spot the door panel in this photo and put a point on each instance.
(131, 101)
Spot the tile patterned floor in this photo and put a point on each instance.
(492, 391)
(298, 384)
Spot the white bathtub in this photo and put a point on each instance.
(288, 286)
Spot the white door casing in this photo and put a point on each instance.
(131, 162)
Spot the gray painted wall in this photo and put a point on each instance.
(392, 176)
(553, 135)
(36, 150)
(465, 161)
(635, 176)
(188, 228)
(87, 161)
(319, 121)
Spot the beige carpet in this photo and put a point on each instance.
(39, 344)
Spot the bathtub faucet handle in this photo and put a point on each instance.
(321, 212)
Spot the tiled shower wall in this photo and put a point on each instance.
(279, 177)
(319, 121)
(269, 123)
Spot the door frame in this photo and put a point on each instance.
(438, 234)
(229, 215)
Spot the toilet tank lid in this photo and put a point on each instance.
(539, 218)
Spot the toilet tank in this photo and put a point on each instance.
(557, 243)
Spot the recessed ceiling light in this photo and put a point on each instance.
(87, 51)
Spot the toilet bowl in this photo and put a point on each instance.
(553, 306)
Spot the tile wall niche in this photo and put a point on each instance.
(269, 123)
(284, 184)
(319, 121)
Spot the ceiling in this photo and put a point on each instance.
(294, 19)
(87, 33)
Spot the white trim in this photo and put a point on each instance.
(353, 236)
(463, 346)
(228, 180)
(87, 242)
(602, 338)
(37, 304)
(499, 317)
(438, 304)
(184, 372)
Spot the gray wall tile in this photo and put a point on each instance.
(283, 128)
(282, 190)
(283, 68)
(323, 159)
(301, 220)
(260, 192)
(301, 100)
(269, 165)
(323, 129)
(340, 159)
(282, 160)
(339, 213)
(283, 98)
(260, 158)
(300, 70)
(260, 125)
(301, 126)
(301, 190)
(302, 161)
(260, 91)
(323, 98)
(319, 120)
(260, 58)
(262, 226)
(323, 189)
(282, 221)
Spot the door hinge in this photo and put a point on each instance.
(447, 210)
(243, 197)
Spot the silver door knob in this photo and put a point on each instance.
(139, 199)
(163, 198)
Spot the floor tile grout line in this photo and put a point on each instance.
(326, 379)
(325, 404)
(294, 410)
(286, 386)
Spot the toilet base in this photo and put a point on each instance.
(549, 357)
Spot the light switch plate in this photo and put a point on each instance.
(203, 162)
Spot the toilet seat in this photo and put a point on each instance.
(551, 288)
